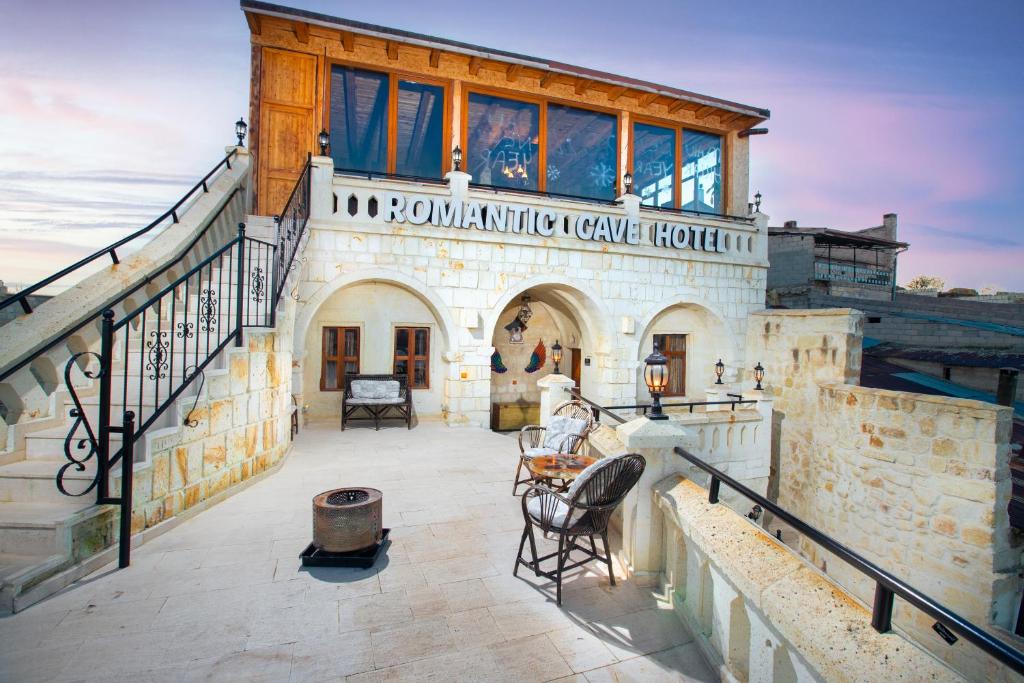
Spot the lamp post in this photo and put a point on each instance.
(758, 376)
(457, 158)
(757, 201)
(719, 370)
(556, 355)
(627, 183)
(240, 129)
(324, 140)
(656, 377)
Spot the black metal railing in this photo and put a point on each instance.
(887, 586)
(375, 175)
(644, 408)
(22, 297)
(696, 214)
(291, 228)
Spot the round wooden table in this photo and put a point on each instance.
(564, 466)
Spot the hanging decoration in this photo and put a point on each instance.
(515, 331)
(537, 358)
(496, 364)
(525, 312)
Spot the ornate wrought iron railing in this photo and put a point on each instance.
(22, 297)
(291, 228)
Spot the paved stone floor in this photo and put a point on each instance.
(224, 596)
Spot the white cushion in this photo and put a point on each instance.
(561, 510)
(374, 401)
(375, 388)
(560, 427)
(585, 476)
(539, 451)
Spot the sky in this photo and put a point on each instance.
(111, 109)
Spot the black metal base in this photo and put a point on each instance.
(360, 559)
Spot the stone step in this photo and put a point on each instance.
(31, 529)
(34, 481)
(48, 444)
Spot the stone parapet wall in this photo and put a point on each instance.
(760, 613)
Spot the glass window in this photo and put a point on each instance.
(673, 346)
(581, 152)
(702, 172)
(654, 162)
(502, 141)
(420, 129)
(359, 123)
(340, 356)
(414, 355)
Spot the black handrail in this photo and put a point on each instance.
(691, 405)
(699, 214)
(595, 408)
(540, 193)
(289, 236)
(111, 249)
(375, 175)
(886, 585)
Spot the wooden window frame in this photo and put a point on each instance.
(394, 76)
(411, 358)
(676, 354)
(680, 132)
(542, 126)
(341, 358)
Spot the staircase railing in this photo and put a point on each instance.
(291, 228)
(22, 297)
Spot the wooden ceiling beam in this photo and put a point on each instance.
(729, 118)
(616, 92)
(703, 112)
(547, 79)
(474, 65)
(435, 58)
(647, 98)
(392, 50)
(676, 106)
(512, 72)
(255, 25)
(582, 85)
(301, 29)
(348, 41)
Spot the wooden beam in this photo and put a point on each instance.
(348, 41)
(647, 98)
(582, 84)
(301, 31)
(703, 113)
(547, 79)
(435, 58)
(474, 65)
(512, 72)
(676, 106)
(616, 92)
(729, 118)
(255, 25)
(392, 48)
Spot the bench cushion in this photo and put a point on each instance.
(374, 402)
(559, 427)
(374, 389)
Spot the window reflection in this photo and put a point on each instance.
(581, 152)
(359, 130)
(654, 162)
(702, 172)
(502, 141)
(420, 129)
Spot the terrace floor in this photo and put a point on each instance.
(224, 596)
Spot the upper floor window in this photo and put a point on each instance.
(381, 123)
(503, 141)
(582, 152)
(702, 172)
(654, 164)
(698, 185)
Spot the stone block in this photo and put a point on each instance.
(161, 463)
(214, 454)
(239, 372)
(222, 414)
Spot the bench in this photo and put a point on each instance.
(378, 396)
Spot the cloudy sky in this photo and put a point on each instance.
(110, 109)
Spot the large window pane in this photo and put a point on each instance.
(673, 347)
(503, 139)
(702, 172)
(420, 129)
(581, 158)
(359, 125)
(654, 163)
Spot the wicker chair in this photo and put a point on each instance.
(582, 511)
(398, 404)
(533, 438)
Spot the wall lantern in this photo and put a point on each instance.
(457, 158)
(627, 183)
(656, 377)
(758, 375)
(757, 201)
(240, 128)
(324, 140)
(556, 355)
(719, 370)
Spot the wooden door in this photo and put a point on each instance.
(286, 129)
(575, 358)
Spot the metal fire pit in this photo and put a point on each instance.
(347, 528)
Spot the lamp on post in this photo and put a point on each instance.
(656, 377)
(627, 183)
(324, 140)
(758, 376)
(240, 129)
(757, 201)
(556, 355)
(719, 371)
(457, 158)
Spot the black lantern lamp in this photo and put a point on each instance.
(757, 202)
(656, 377)
(758, 376)
(324, 140)
(719, 370)
(457, 158)
(556, 355)
(240, 129)
(627, 183)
